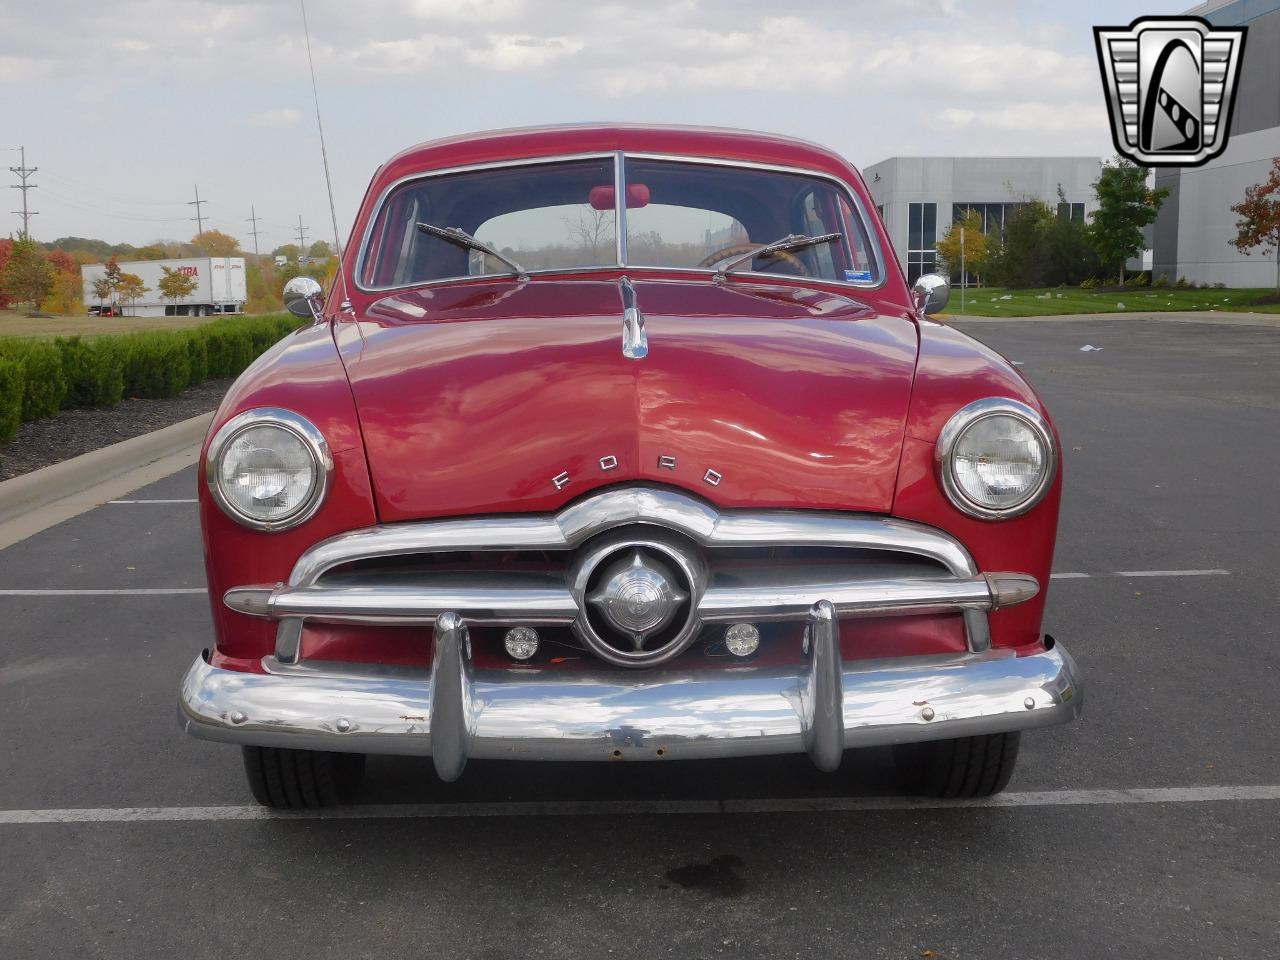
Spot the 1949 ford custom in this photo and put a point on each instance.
(625, 443)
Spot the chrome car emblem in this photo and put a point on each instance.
(638, 596)
(561, 480)
(635, 342)
(666, 462)
(1170, 84)
(609, 463)
(712, 477)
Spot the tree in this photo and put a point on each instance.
(67, 290)
(1125, 206)
(132, 288)
(28, 276)
(215, 243)
(175, 286)
(1018, 259)
(289, 251)
(975, 245)
(102, 289)
(6, 250)
(1259, 223)
(320, 250)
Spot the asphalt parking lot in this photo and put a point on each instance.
(1147, 829)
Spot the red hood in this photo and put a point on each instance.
(473, 398)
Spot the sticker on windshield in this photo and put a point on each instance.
(858, 275)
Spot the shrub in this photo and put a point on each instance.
(1088, 283)
(11, 391)
(156, 365)
(1161, 281)
(1138, 280)
(94, 371)
(44, 386)
(197, 360)
(229, 350)
(1182, 283)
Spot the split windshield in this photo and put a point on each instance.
(563, 216)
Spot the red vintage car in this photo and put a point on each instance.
(625, 443)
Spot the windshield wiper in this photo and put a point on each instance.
(463, 239)
(793, 241)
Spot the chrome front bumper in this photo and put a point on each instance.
(454, 712)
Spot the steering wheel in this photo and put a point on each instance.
(738, 249)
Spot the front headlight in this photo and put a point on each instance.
(268, 469)
(996, 458)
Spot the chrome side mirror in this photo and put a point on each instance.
(931, 292)
(304, 297)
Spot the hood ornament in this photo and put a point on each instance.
(635, 342)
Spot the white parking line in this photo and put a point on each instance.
(192, 500)
(1069, 576)
(1173, 573)
(613, 808)
(135, 592)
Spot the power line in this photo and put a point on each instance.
(199, 217)
(24, 174)
(302, 238)
(253, 218)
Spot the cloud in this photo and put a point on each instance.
(279, 117)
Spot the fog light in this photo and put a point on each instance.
(742, 639)
(521, 642)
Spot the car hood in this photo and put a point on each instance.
(508, 397)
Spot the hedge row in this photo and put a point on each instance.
(40, 377)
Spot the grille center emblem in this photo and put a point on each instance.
(638, 596)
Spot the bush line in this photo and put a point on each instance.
(40, 377)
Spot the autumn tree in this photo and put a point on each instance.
(175, 286)
(1259, 223)
(103, 290)
(1125, 206)
(131, 288)
(290, 251)
(215, 243)
(975, 245)
(320, 250)
(28, 276)
(64, 298)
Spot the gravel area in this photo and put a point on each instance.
(74, 432)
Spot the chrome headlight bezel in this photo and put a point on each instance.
(302, 429)
(973, 413)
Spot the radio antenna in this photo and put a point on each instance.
(324, 155)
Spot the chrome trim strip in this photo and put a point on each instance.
(854, 598)
(620, 207)
(529, 713)
(294, 423)
(620, 220)
(499, 601)
(966, 417)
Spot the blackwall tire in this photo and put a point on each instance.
(302, 779)
(960, 768)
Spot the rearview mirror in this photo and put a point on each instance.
(603, 197)
(304, 297)
(931, 292)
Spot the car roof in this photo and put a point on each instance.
(530, 142)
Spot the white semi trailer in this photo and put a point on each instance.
(220, 288)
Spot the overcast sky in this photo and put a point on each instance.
(125, 105)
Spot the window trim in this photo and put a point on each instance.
(620, 218)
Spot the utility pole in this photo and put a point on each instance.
(253, 218)
(199, 217)
(24, 174)
(302, 238)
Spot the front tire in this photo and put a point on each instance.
(302, 779)
(964, 767)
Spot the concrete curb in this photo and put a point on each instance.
(1222, 317)
(36, 501)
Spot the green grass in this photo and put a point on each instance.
(991, 302)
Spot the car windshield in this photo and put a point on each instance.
(561, 216)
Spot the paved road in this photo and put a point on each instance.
(1170, 434)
